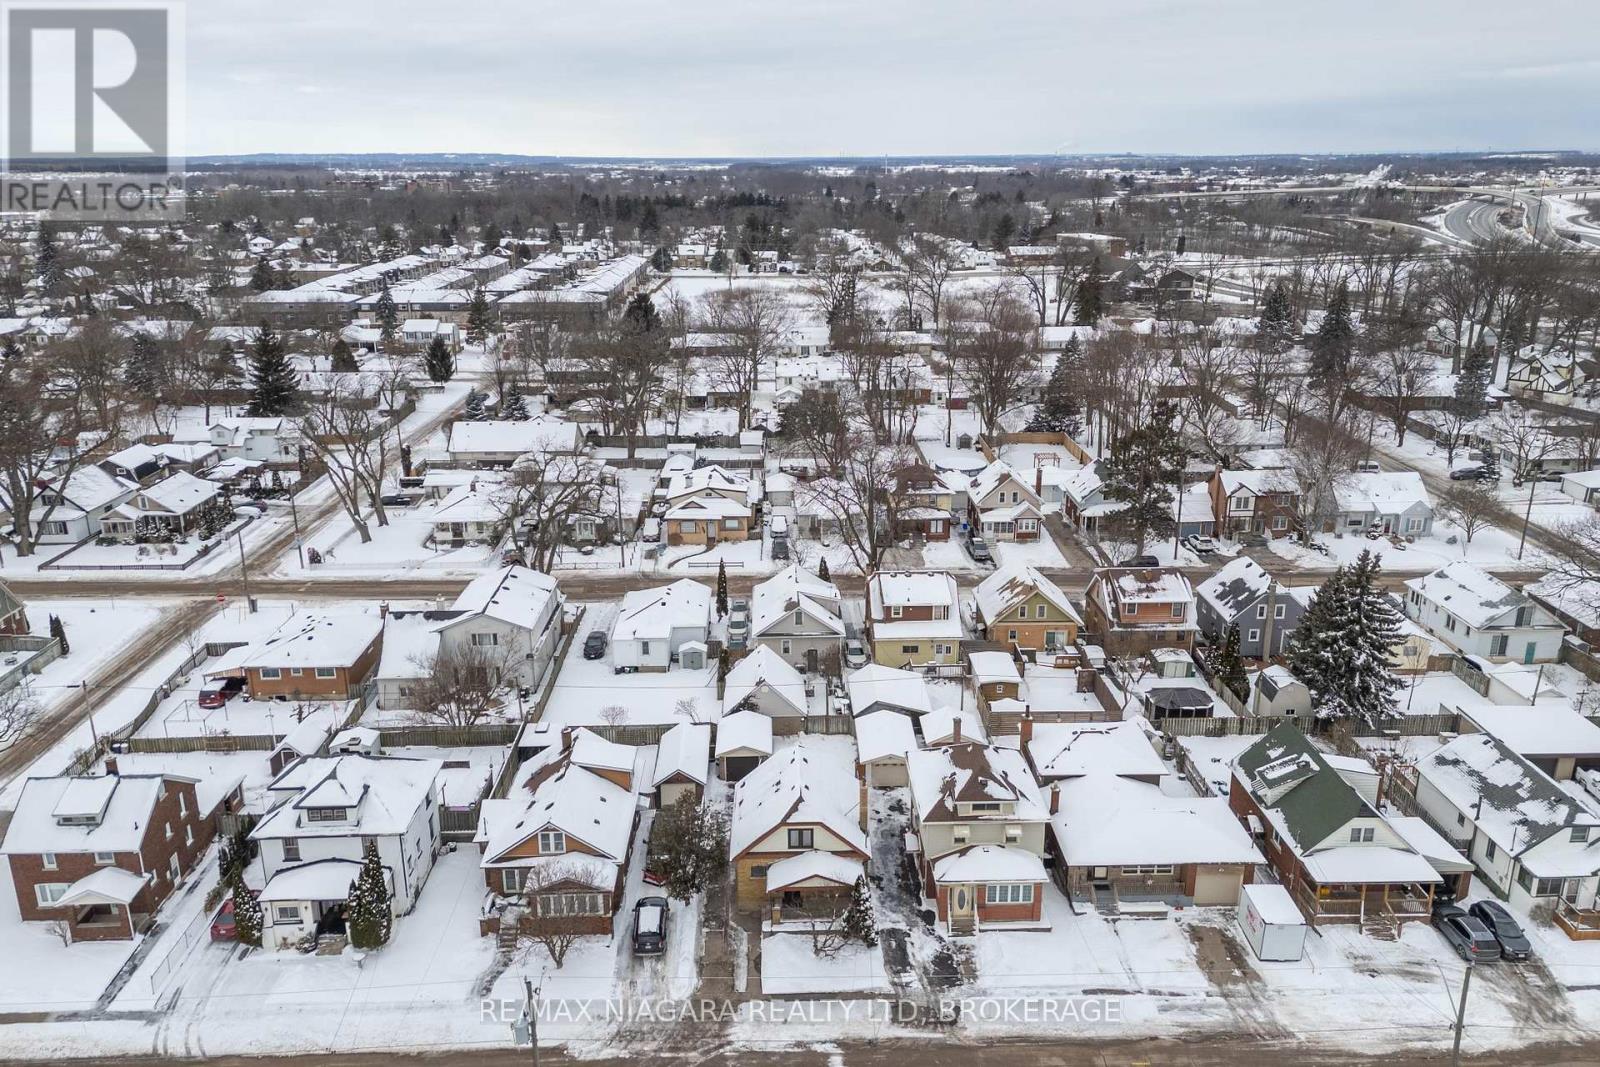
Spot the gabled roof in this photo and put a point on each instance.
(993, 477)
(385, 792)
(971, 771)
(1103, 820)
(765, 669)
(124, 804)
(884, 734)
(1234, 588)
(556, 792)
(1103, 749)
(653, 614)
(1313, 799)
(315, 639)
(1383, 492)
(744, 733)
(1471, 595)
(538, 434)
(1015, 583)
(877, 684)
(516, 596)
(685, 749)
(813, 866)
(886, 589)
(794, 589)
(809, 782)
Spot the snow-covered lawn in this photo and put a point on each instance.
(39, 973)
(588, 692)
(789, 965)
(1041, 553)
(97, 631)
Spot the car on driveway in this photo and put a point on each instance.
(855, 653)
(738, 625)
(219, 691)
(1514, 944)
(594, 646)
(1145, 560)
(224, 927)
(1475, 474)
(978, 549)
(1466, 934)
(650, 926)
(1200, 544)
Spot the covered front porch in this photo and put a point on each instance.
(811, 887)
(1360, 902)
(99, 906)
(305, 904)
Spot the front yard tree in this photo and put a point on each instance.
(547, 496)
(439, 361)
(461, 685)
(35, 417)
(246, 911)
(1472, 384)
(998, 359)
(387, 314)
(480, 318)
(346, 431)
(262, 276)
(858, 920)
(515, 407)
(546, 928)
(343, 357)
(1470, 506)
(1342, 646)
(1090, 302)
(475, 410)
(822, 568)
(722, 589)
(273, 389)
(1332, 349)
(369, 911)
(18, 714)
(1275, 328)
(690, 842)
(1140, 472)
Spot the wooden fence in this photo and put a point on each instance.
(42, 652)
(1243, 726)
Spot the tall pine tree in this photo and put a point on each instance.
(369, 911)
(515, 407)
(1227, 666)
(1058, 410)
(247, 920)
(722, 589)
(440, 361)
(1275, 329)
(273, 388)
(1089, 304)
(344, 359)
(1342, 646)
(1331, 347)
(1140, 472)
(480, 320)
(475, 410)
(387, 314)
(1472, 384)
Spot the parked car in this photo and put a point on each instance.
(1368, 466)
(1145, 560)
(779, 527)
(398, 500)
(738, 626)
(780, 548)
(1201, 544)
(650, 530)
(223, 927)
(978, 549)
(1514, 944)
(1466, 934)
(855, 653)
(594, 646)
(219, 691)
(1475, 474)
(650, 926)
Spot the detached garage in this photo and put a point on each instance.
(744, 739)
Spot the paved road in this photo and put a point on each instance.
(1473, 221)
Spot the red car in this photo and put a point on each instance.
(223, 928)
(216, 693)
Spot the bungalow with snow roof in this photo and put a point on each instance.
(559, 843)
(707, 520)
(312, 656)
(500, 443)
(980, 824)
(1003, 507)
(798, 838)
(1392, 502)
(1130, 610)
(1021, 607)
(765, 683)
(653, 624)
(102, 853)
(173, 503)
(1336, 854)
(879, 688)
(76, 510)
(683, 759)
(796, 615)
(1480, 615)
(912, 618)
(744, 739)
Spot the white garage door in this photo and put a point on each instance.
(1217, 888)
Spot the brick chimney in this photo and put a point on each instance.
(566, 739)
(111, 766)
(383, 609)
(1026, 728)
(956, 736)
(1055, 797)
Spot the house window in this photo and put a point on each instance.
(910, 650)
(730, 524)
(1253, 635)
(1580, 833)
(960, 834)
(1489, 850)
(1279, 522)
(1261, 611)
(47, 860)
(687, 527)
(896, 611)
(758, 870)
(270, 674)
(291, 850)
(981, 807)
(286, 914)
(1177, 611)
(175, 868)
(168, 828)
(552, 842)
(55, 528)
(784, 646)
(47, 893)
(486, 640)
(1361, 835)
(941, 650)
(1278, 611)
(104, 859)
(1011, 635)
(295, 672)
(327, 672)
(1149, 869)
(801, 838)
(1013, 834)
(325, 814)
(644, 648)
(183, 804)
(511, 880)
(1008, 894)
(565, 904)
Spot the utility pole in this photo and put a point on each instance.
(1527, 516)
(244, 572)
(1461, 1017)
(299, 544)
(530, 1012)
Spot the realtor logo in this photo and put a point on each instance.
(91, 89)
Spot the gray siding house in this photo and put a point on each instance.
(1242, 594)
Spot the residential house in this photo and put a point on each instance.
(13, 613)
(796, 615)
(1020, 606)
(513, 615)
(102, 853)
(135, 463)
(879, 688)
(1530, 839)
(1553, 736)
(173, 503)
(1324, 837)
(470, 514)
(653, 624)
(912, 618)
(683, 761)
(559, 843)
(744, 740)
(1582, 486)
(1392, 502)
(764, 682)
(1478, 614)
(924, 502)
(500, 443)
(1058, 751)
(76, 509)
(1083, 499)
(980, 824)
(1255, 501)
(1130, 610)
(1242, 594)
(706, 520)
(801, 802)
(1003, 507)
(315, 655)
(883, 741)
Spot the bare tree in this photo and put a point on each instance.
(42, 429)
(345, 429)
(1527, 441)
(752, 324)
(461, 684)
(19, 713)
(542, 923)
(1399, 379)
(1472, 506)
(998, 361)
(929, 260)
(547, 494)
(1322, 460)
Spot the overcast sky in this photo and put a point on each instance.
(896, 77)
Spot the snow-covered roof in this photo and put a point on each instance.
(811, 781)
(410, 640)
(107, 885)
(983, 864)
(888, 589)
(813, 865)
(1541, 730)
(315, 639)
(556, 792)
(1011, 584)
(794, 589)
(319, 880)
(383, 794)
(652, 614)
(539, 434)
(593, 752)
(122, 804)
(516, 596)
(1258, 482)
(1430, 844)
(1102, 749)
(1234, 587)
(972, 772)
(180, 492)
(708, 506)
(764, 670)
(1103, 820)
(1470, 594)
(1356, 864)
(685, 749)
(1382, 492)
(884, 735)
(991, 668)
(744, 733)
(938, 726)
(878, 684)
(994, 476)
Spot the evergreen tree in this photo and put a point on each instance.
(858, 923)
(1140, 471)
(1275, 328)
(144, 373)
(555, 236)
(58, 630)
(822, 568)
(1341, 648)
(12, 350)
(649, 222)
(440, 361)
(491, 237)
(1331, 346)
(1090, 302)
(689, 841)
(722, 589)
(661, 260)
(247, 920)
(369, 911)
(47, 262)
(719, 261)
(1472, 384)
(640, 315)
(387, 314)
(1005, 228)
(514, 407)
(262, 276)
(475, 411)
(480, 320)
(1227, 666)
(273, 388)
(344, 358)
(1058, 410)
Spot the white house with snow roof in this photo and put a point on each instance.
(1478, 614)
(1395, 502)
(796, 614)
(653, 624)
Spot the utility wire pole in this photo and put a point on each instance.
(1461, 1017)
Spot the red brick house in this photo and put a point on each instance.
(1266, 502)
(102, 853)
